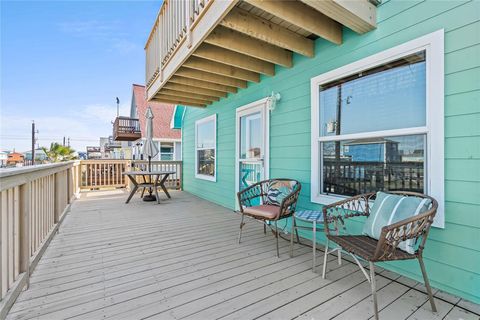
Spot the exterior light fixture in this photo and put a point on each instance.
(272, 100)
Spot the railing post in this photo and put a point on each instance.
(25, 197)
(190, 13)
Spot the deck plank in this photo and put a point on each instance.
(180, 259)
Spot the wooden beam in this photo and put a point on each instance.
(236, 41)
(259, 28)
(232, 58)
(302, 16)
(172, 100)
(196, 90)
(183, 94)
(221, 69)
(202, 84)
(358, 15)
(210, 77)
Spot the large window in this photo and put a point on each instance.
(377, 124)
(205, 148)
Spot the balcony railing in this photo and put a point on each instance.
(34, 201)
(172, 26)
(355, 177)
(126, 129)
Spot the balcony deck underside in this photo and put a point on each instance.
(180, 259)
(234, 42)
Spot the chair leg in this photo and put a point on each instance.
(276, 236)
(296, 232)
(374, 289)
(294, 229)
(427, 284)
(241, 228)
(325, 256)
(264, 227)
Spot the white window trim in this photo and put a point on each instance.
(198, 122)
(433, 44)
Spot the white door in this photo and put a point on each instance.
(252, 145)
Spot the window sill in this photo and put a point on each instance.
(205, 177)
(327, 198)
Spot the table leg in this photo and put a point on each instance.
(135, 187)
(155, 185)
(314, 246)
(162, 185)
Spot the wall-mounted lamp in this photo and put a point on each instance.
(272, 100)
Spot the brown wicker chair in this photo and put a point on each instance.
(264, 210)
(386, 248)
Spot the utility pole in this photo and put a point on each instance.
(64, 141)
(33, 142)
(118, 108)
(68, 144)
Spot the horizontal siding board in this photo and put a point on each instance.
(463, 125)
(451, 253)
(462, 148)
(462, 103)
(462, 214)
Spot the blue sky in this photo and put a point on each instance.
(64, 62)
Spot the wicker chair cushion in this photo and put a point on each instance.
(364, 247)
(278, 190)
(391, 208)
(267, 211)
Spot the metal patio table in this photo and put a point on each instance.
(150, 183)
(314, 217)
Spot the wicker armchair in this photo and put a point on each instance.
(255, 202)
(386, 248)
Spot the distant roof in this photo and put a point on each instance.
(162, 113)
(369, 141)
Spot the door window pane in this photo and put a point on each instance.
(251, 136)
(353, 167)
(392, 96)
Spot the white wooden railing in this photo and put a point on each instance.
(173, 25)
(33, 202)
(103, 173)
(174, 181)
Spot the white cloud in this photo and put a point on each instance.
(84, 128)
(108, 32)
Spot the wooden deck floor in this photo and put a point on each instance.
(180, 260)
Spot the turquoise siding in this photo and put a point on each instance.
(452, 254)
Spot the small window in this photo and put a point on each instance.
(166, 150)
(205, 148)
(377, 124)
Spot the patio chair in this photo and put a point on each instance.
(383, 241)
(269, 200)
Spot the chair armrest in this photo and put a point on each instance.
(248, 194)
(336, 213)
(289, 203)
(414, 228)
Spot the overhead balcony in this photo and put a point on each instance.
(198, 51)
(126, 129)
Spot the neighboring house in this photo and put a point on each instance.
(15, 159)
(111, 149)
(93, 153)
(405, 71)
(166, 126)
(40, 155)
(3, 158)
